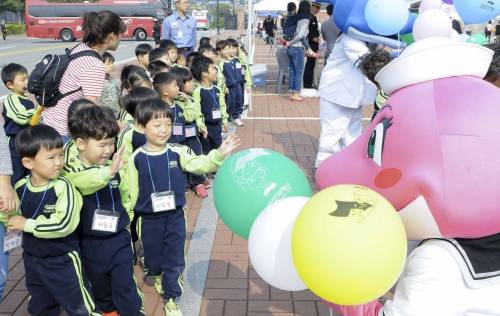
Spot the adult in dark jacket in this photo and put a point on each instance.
(313, 39)
(269, 27)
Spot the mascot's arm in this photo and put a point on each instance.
(431, 284)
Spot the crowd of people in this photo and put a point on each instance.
(110, 164)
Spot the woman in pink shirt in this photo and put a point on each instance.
(101, 32)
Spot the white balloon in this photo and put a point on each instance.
(270, 244)
(455, 36)
(432, 23)
(429, 4)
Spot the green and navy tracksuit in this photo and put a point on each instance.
(234, 82)
(163, 233)
(125, 117)
(221, 80)
(245, 69)
(17, 113)
(70, 152)
(54, 273)
(131, 138)
(211, 100)
(178, 135)
(107, 255)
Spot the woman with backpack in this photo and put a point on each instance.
(84, 76)
(295, 31)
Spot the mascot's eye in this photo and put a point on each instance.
(376, 141)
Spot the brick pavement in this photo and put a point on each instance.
(232, 286)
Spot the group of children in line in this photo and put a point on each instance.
(121, 177)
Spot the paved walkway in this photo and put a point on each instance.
(219, 279)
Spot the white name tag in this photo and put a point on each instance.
(163, 201)
(179, 33)
(12, 240)
(105, 221)
(238, 66)
(216, 114)
(177, 129)
(190, 130)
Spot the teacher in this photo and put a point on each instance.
(180, 28)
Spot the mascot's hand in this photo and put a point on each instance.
(369, 309)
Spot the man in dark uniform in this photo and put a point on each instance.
(269, 28)
(314, 43)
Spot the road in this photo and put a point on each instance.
(29, 51)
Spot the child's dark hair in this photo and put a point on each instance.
(204, 41)
(96, 122)
(10, 71)
(152, 109)
(169, 46)
(372, 63)
(96, 26)
(157, 67)
(183, 75)
(220, 45)
(133, 76)
(32, 139)
(493, 73)
(200, 65)
(162, 79)
(156, 54)
(142, 49)
(232, 42)
(190, 58)
(107, 56)
(78, 105)
(205, 48)
(165, 43)
(135, 97)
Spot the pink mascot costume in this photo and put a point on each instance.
(434, 152)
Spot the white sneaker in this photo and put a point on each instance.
(238, 122)
(172, 309)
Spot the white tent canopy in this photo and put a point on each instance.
(271, 6)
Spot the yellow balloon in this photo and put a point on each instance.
(349, 245)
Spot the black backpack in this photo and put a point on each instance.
(45, 79)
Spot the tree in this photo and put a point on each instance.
(13, 6)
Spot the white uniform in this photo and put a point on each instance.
(343, 89)
(436, 281)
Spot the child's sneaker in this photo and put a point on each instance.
(238, 122)
(172, 309)
(158, 285)
(200, 191)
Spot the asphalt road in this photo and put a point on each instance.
(29, 51)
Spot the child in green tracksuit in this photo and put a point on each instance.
(156, 176)
(50, 212)
(105, 239)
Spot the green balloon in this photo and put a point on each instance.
(477, 38)
(250, 180)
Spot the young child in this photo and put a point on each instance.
(181, 61)
(237, 94)
(110, 89)
(132, 76)
(190, 58)
(171, 50)
(142, 54)
(166, 86)
(245, 72)
(211, 102)
(17, 112)
(155, 173)
(221, 80)
(194, 125)
(232, 72)
(50, 212)
(105, 242)
(205, 41)
(70, 150)
(156, 67)
(370, 65)
(159, 54)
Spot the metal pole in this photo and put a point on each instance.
(218, 29)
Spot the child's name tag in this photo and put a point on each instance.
(177, 129)
(105, 221)
(12, 240)
(163, 201)
(190, 130)
(216, 114)
(238, 66)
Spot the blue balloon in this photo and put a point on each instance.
(477, 11)
(386, 17)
